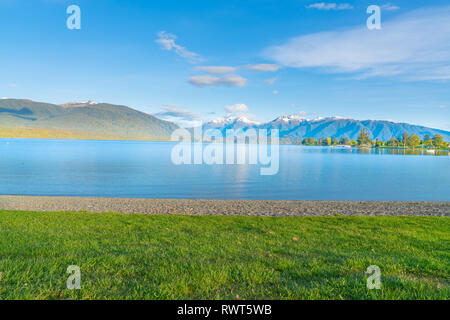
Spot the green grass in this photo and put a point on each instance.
(205, 257)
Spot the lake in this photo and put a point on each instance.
(145, 170)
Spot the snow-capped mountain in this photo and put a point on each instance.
(285, 123)
(239, 122)
(296, 127)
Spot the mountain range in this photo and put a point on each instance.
(295, 127)
(90, 120)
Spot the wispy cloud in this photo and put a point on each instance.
(330, 6)
(239, 107)
(217, 69)
(263, 67)
(13, 85)
(238, 110)
(208, 80)
(389, 7)
(413, 46)
(270, 81)
(167, 42)
(230, 80)
(179, 115)
(444, 107)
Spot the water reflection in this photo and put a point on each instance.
(145, 170)
(393, 151)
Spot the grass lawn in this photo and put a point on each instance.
(216, 257)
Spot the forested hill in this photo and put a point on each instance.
(89, 120)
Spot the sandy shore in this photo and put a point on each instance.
(225, 207)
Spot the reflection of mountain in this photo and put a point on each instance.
(25, 118)
(296, 128)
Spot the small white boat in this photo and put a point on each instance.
(431, 151)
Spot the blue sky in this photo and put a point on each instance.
(188, 61)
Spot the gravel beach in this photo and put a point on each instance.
(225, 207)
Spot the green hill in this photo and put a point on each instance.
(30, 119)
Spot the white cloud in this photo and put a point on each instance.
(275, 92)
(414, 46)
(444, 107)
(179, 115)
(167, 42)
(264, 67)
(207, 80)
(238, 110)
(13, 85)
(330, 6)
(217, 69)
(270, 81)
(239, 107)
(389, 7)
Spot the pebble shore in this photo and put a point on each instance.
(225, 207)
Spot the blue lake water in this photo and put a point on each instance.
(145, 170)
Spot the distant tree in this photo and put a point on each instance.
(326, 141)
(413, 140)
(426, 137)
(404, 138)
(345, 141)
(392, 142)
(428, 142)
(334, 141)
(308, 141)
(363, 138)
(438, 141)
(377, 143)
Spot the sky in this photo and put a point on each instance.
(193, 61)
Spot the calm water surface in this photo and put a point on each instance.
(145, 169)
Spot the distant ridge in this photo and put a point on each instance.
(92, 120)
(86, 120)
(295, 127)
(78, 104)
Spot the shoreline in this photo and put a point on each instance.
(424, 151)
(280, 208)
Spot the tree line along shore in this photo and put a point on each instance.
(435, 142)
